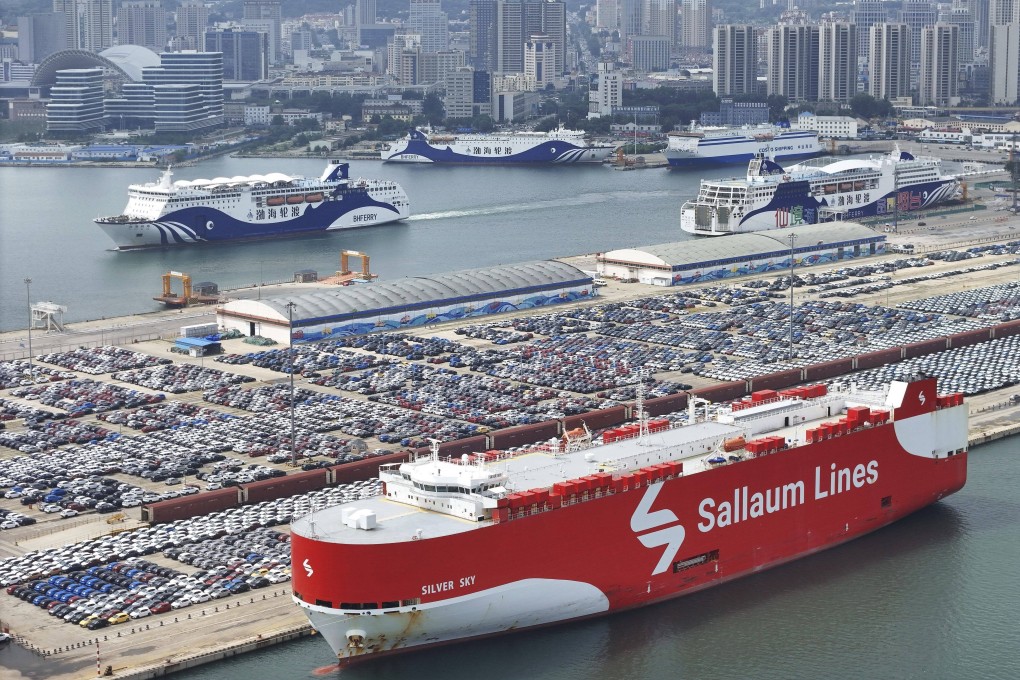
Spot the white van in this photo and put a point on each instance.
(598, 283)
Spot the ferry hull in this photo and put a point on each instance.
(796, 206)
(209, 225)
(689, 162)
(631, 547)
(415, 148)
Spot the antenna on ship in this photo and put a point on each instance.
(434, 450)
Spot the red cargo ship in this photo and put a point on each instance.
(499, 542)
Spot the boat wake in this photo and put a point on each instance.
(581, 200)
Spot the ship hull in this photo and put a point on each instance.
(796, 206)
(629, 548)
(495, 152)
(209, 225)
(696, 153)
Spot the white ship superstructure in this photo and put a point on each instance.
(169, 212)
(707, 146)
(820, 190)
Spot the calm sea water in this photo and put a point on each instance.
(933, 596)
(462, 217)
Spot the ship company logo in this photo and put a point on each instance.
(308, 567)
(643, 519)
(921, 398)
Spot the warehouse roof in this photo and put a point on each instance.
(365, 300)
(693, 252)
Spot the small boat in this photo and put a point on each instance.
(296, 198)
(274, 200)
(313, 198)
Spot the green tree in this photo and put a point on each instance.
(483, 123)
(276, 120)
(432, 109)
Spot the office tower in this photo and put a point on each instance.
(482, 39)
(889, 47)
(364, 16)
(76, 101)
(837, 62)
(40, 35)
(607, 15)
(192, 19)
(468, 93)
(301, 39)
(540, 61)
(142, 22)
(1004, 62)
(940, 65)
(429, 21)
(867, 13)
(435, 65)
(979, 11)
(1002, 12)
(694, 17)
(630, 18)
(264, 16)
(649, 52)
(734, 60)
(134, 108)
(188, 90)
(245, 53)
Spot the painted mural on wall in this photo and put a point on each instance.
(436, 316)
(763, 267)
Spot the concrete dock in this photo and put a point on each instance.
(158, 645)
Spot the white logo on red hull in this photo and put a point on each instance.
(308, 567)
(644, 519)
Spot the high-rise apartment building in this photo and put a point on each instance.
(793, 56)
(76, 101)
(264, 16)
(245, 53)
(734, 60)
(1002, 12)
(192, 20)
(468, 93)
(962, 17)
(867, 13)
(658, 17)
(917, 14)
(93, 24)
(435, 65)
(142, 22)
(695, 18)
(889, 47)
(68, 9)
(608, 93)
(1004, 63)
(940, 65)
(428, 20)
(837, 61)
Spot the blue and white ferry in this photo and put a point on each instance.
(556, 147)
(170, 213)
(699, 147)
(819, 190)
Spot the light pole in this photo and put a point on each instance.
(290, 355)
(793, 240)
(28, 298)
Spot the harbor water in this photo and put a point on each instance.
(461, 217)
(933, 596)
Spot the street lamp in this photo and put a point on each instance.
(290, 361)
(28, 298)
(793, 239)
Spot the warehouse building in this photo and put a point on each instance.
(711, 259)
(407, 303)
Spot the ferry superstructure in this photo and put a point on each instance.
(699, 147)
(493, 542)
(556, 147)
(819, 190)
(170, 213)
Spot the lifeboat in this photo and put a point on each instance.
(313, 198)
(274, 200)
(296, 198)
